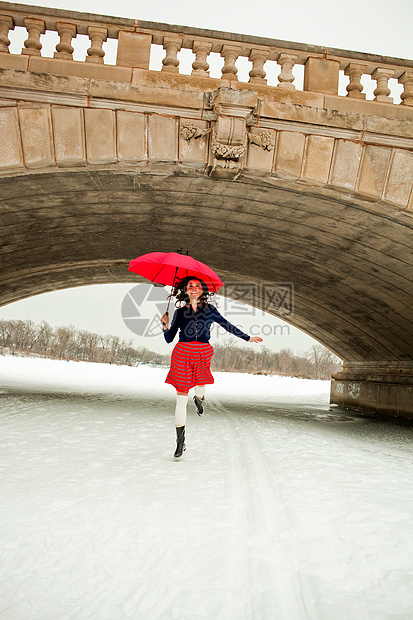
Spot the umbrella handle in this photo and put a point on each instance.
(169, 300)
(167, 311)
(173, 284)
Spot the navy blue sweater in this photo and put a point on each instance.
(196, 326)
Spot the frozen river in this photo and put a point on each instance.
(280, 509)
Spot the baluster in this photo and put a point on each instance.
(407, 95)
(258, 59)
(354, 88)
(97, 37)
(382, 91)
(230, 54)
(286, 77)
(200, 65)
(172, 45)
(35, 27)
(66, 33)
(6, 24)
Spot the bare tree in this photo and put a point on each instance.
(44, 338)
(64, 342)
(324, 361)
(285, 362)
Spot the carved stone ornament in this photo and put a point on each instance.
(265, 139)
(189, 131)
(229, 144)
(225, 151)
(230, 138)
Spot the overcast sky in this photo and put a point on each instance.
(379, 27)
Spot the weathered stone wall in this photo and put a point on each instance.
(62, 121)
(375, 387)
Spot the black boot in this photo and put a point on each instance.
(180, 441)
(199, 403)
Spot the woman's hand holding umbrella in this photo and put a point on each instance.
(165, 320)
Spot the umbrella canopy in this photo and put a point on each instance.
(170, 267)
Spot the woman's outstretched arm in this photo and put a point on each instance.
(233, 329)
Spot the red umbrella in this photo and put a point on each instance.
(170, 267)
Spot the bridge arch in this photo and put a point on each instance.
(351, 289)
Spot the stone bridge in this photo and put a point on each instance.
(271, 185)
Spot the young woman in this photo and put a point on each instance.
(191, 356)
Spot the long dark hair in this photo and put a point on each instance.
(182, 297)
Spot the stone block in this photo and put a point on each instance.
(261, 150)
(151, 90)
(14, 61)
(69, 136)
(321, 75)
(100, 136)
(36, 133)
(372, 176)
(369, 395)
(406, 401)
(389, 398)
(345, 166)
(317, 160)
(337, 392)
(400, 182)
(56, 66)
(131, 136)
(193, 151)
(64, 85)
(289, 155)
(8, 103)
(229, 99)
(163, 138)
(11, 156)
(269, 96)
(309, 113)
(134, 49)
(402, 127)
(374, 111)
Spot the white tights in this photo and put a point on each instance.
(180, 409)
(199, 391)
(181, 402)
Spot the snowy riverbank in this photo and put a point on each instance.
(41, 375)
(280, 509)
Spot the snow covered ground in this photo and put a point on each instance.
(280, 509)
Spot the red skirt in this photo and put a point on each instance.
(190, 362)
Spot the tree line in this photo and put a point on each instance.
(69, 343)
(317, 363)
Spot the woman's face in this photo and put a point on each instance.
(194, 289)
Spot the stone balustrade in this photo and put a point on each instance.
(135, 39)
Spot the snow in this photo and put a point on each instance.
(282, 508)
